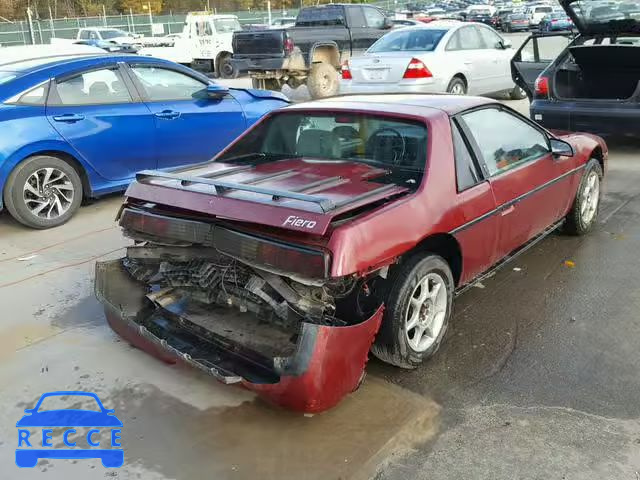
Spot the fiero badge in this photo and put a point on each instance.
(300, 222)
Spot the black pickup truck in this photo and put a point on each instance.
(312, 51)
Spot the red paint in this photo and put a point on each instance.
(336, 366)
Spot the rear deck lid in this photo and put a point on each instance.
(604, 17)
(294, 194)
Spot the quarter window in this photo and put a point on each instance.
(466, 171)
(161, 84)
(504, 140)
(92, 88)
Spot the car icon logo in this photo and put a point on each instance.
(32, 448)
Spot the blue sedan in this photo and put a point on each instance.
(81, 126)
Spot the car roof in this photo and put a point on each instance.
(421, 105)
(43, 63)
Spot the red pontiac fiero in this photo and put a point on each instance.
(336, 227)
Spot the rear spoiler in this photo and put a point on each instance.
(163, 187)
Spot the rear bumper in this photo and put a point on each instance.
(430, 85)
(599, 117)
(328, 363)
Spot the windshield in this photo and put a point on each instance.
(415, 40)
(226, 25)
(109, 34)
(606, 16)
(481, 12)
(397, 144)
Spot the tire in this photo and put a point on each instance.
(61, 203)
(394, 343)
(269, 84)
(517, 93)
(323, 81)
(226, 68)
(457, 86)
(584, 211)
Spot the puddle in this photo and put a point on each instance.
(255, 440)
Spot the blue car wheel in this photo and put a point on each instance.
(43, 192)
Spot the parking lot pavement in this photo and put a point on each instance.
(538, 377)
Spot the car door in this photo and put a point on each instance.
(465, 53)
(499, 54)
(190, 127)
(531, 187)
(534, 56)
(101, 116)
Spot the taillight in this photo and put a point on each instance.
(541, 87)
(346, 72)
(416, 69)
(288, 45)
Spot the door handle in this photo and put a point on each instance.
(508, 210)
(167, 114)
(68, 117)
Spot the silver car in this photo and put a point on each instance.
(442, 56)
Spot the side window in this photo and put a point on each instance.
(161, 84)
(500, 151)
(375, 18)
(93, 36)
(454, 42)
(84, 35)
(470, 39)
(542, 49)
(489, 38)
(356, 17)
(466, 172)
(92, 88)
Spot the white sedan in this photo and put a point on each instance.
(438, 57)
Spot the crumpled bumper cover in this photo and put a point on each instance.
(328, 363)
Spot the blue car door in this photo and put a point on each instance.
(190, 126)
(100, 115)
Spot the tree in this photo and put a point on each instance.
(139, 6)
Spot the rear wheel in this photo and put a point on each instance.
(323, 80)
(43, 192)
(226, 69)
(582, 216)
(457, 86)
(418, 307)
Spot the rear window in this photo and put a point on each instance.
(318, 17)
(415, 40)
(226, 25)
(543, 9)
(396, 144)
(518, 16)
(598, 15)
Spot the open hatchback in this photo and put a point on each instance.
(590, 82)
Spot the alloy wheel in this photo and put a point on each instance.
(48, 193)
(426, 312)
(590, 198)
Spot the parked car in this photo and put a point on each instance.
(589, 83)
(310, 52)
(515, 22)
(537, 13)
(405, 22)
(80, 126)
(556, 21)
(109, 46)
(346, 221)
(441, 56)
(106, 34)
(501, 16)
(482, 16)
(283, 22)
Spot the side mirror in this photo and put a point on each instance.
(504, 44)
(388, 23)
(216, 91)
(560, 148)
